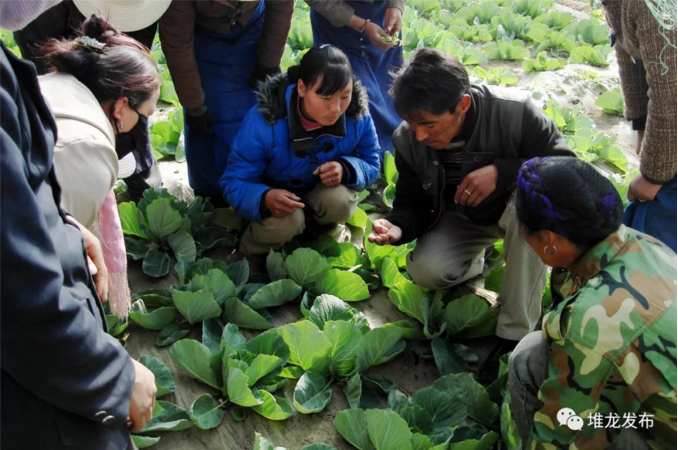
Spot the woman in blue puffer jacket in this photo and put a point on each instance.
(302, 153)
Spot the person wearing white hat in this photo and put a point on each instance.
(139, 20)
(63, 21)
(126, 15)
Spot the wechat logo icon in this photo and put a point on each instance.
(567, 417)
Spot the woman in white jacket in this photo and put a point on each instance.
(104, 84)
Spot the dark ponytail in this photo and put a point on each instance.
(122, 68)
(327, 62)
(569, 197)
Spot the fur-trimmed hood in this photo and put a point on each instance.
(273, 150)
(273, 102)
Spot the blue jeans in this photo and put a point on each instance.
(656, 218)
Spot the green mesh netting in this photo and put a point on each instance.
(664, 12)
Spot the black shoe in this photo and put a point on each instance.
(312, 229)
(218, 201)
(490, 368)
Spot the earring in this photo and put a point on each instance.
(555, 250)
(122, 126)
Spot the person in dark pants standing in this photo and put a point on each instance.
(62, 22)
(217, 52)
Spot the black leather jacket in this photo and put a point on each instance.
(510, 129)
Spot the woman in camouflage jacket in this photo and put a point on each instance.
(606, 364)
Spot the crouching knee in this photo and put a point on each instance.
(334, 204)
(528, 362)
(279, 230)
(432, 273)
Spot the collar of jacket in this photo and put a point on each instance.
(70, 99)
(277, 100)
(274, 96)
(594, 261)
(303, 140)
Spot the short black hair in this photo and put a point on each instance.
(327, 62)
(431, 81)
(569, 197)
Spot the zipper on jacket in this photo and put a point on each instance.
(441, 193)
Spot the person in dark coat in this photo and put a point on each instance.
(302, 153)
(63, 21)
(216, 52)
(66, 383)
(458, 154)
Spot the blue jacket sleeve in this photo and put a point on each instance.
(241, 182)
(52, 344)
(364, 160)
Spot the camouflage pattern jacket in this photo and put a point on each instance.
(612, 346)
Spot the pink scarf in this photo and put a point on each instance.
(108, 229)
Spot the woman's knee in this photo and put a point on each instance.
(334, 204)
(279, 230)
(432, 269)
(430, 272)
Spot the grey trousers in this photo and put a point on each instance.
(528, 369)
(453, 252)
(329, 205)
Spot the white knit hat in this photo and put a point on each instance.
(125, 15)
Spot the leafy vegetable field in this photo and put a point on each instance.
(558, 54)
(331, 345)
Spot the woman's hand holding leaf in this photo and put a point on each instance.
(393, 22)
(374, 33)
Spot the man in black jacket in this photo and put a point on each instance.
(458, 154)
(61, 371)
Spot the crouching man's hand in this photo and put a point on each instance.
(384, 232)
(477, 186)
